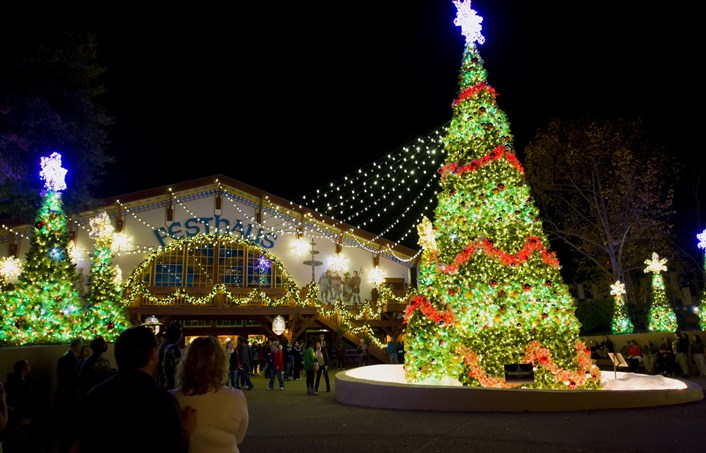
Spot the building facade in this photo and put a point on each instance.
(225, 258)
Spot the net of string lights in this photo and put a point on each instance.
(389, 196)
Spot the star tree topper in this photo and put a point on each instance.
(101, 227)
(655, 265)
(52, 173)
(702, 240)
(617, 289)
(469, 21)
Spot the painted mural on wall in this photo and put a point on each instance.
(344, 286)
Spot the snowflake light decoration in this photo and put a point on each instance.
(121, 243)
(655, 264)
(702, 240)
(10, 267)
(263, 264)
(376, 276)
(617, 289)
(52, 173)
(101, 228)
(469, 21)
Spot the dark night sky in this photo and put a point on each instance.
(290, 97)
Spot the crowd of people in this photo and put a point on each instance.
(178, 397)
(191, 398)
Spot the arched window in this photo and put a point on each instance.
(198, 264)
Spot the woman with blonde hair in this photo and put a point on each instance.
(202, 377)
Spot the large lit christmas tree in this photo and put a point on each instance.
(490, 291)
(106, 314)
(661, 317)
(44, 307)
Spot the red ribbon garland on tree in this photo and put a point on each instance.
(474, 90)
(475, 164)
(532, 244)
(537, 355)
(428, 310)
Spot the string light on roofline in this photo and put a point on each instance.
(377, 190)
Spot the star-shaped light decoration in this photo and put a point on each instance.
(469, 21)
(52, 174)
(702, 240)
(655, 265)
(617, 289)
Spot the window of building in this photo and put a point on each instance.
(168, 268)
(231, 264)
(199, 270)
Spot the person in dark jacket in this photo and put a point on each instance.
(168, 356)
(67, 391)
(96, 368)
(298, 361)
(149, 418)
(245, 363)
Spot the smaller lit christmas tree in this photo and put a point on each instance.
(621, 320)
(702, 303)
(661, 317)
(105, 313)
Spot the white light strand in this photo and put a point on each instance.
(15, 232)
(369, 189)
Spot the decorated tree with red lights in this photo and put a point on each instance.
(44, 307)
(490, 290)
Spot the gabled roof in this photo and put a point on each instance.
(265, 200)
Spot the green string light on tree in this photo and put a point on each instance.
(106, 313)
(621, 322)
(44, 306)
(661, 317)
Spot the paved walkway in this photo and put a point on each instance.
(291, 421)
